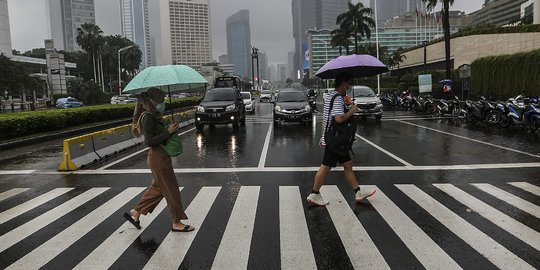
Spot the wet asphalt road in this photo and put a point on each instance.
(402, 152)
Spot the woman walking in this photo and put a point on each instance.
(147, 121)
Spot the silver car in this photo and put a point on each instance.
(368, 103)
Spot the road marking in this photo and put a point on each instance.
(233, 251)
(173, 249)
(527, 187)
(415, 118)
(519, 230)
(136, 153)
(489, 248)
(12, 192)
(264, 153)
(31, 204)
(469, 139)
(419, 243)
(511, 199)
(295, 245)
(14, 236)
(50, 249)
(386, 152)
(112, 248)
(284, 169)
(361, 250)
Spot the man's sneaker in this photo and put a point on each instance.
(317, 199)
(364, 193)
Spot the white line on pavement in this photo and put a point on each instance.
(12, 192)
(262, 160)
(511, 199)
(386, 151)
(285, 169)
(469, 139)
(527, 187)
(31, 204)
(136, 153)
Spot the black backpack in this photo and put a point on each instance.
(339, 138)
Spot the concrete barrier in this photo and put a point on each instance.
(84, 150)
(112, 141)
(78, 152)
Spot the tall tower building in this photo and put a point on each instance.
(135, 27)
(327, 12)
(239, 43)
(303, 15)
(263, 66)
(5, 35)
(184, 33)
(65, 17)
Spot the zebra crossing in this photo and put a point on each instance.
(35, 234)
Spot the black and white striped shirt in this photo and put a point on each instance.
(337, 109)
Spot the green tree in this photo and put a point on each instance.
(340, 38)
(358, 20)
(15, 79)
(90, 39)
(36, 53)
(396, 58)
(130, 59)
(446, 28)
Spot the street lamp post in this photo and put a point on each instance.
(377, 45)
(425, 56)
(120, 69)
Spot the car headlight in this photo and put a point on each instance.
(307, 108)
(200, 108)
(230, 108)
(379, 102)
(278, 109)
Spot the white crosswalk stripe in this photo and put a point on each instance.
(527, 187)
(12, 192)
(297, 245)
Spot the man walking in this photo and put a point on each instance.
(340, 114)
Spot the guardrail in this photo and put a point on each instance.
(84, 150)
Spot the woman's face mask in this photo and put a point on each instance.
(160, 108)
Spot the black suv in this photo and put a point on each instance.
(221, 106)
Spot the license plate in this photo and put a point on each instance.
(215, 115)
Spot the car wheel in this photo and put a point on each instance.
(243, 121)
(378, 117)
(199, 127)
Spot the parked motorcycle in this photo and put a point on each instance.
(519, 113)
(449, 106)
(482, 110)
(424, 104)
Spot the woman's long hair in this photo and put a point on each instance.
(144, 104)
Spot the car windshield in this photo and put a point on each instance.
(360, 92)
(246, 95)
(71, 100)
(220, 96)
(291, 97)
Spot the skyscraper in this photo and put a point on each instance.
(263, 66)
(184, 33)
(327, 12)
(388, 9)
(65, 17)
(5, 35)
(303, 15)
(135, 27)
(239, 43)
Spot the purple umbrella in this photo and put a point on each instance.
(358, 65)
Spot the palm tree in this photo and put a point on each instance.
(397, 58)
(90, 39)
(446, 28)
(358, 20)
(340, 38)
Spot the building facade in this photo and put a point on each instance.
(304, 18)
(263, 66)
(239, 43)
(282, 72)
(5, 34)
(184, 33)
(66, 16)
(327, 11)
(135, 27)
(498, 12)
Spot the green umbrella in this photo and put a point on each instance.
(176, 78)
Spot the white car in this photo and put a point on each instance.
(248, 101)
(123, 99)
(266, 94)
(367, 101)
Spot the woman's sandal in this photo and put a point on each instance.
(187, 228)
(129, 218)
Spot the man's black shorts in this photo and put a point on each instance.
(331, 160)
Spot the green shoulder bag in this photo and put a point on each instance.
(173, 146)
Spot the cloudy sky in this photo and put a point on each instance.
(271, 23)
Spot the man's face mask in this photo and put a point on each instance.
(160, 108)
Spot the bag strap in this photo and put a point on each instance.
(330, 111)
